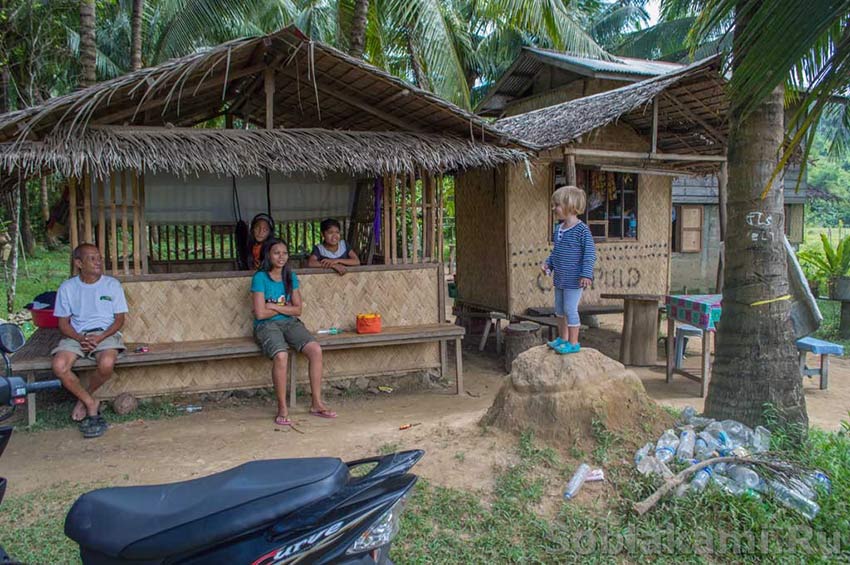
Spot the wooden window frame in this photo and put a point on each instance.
(681, 229)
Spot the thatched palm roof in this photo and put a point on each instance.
(188, 151)
(692, 112)
(314, 86)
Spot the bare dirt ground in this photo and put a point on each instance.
(459, 453)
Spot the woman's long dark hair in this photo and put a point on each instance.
(286, 275)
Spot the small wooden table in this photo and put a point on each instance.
(698, 310)
(639, 343)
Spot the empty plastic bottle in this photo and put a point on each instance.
(726, 484)
(701, 479)
(802, 487)
(821, 480)
(665, 449)
(701, 422)
(577, 481)
(688, 414)
(643, 452)
(705, 445)
(743, 476)
(792, 499)
(737, 432)
(685, 450)
(761, 440)
(649, 465)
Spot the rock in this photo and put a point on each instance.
(124, 403)
(558, 397)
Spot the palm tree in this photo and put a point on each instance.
(88, 52)
(358, 28)
(136, 35)
(808, 43)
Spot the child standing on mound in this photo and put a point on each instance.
(571, 261)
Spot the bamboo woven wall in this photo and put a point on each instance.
(626, 266)
(220, 308)
(254, 372)
(481, 249)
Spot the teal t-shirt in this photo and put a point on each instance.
(273, 291)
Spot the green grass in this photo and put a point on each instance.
(505, 525)
(57, 414)
(43, 271)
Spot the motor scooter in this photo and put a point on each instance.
(272, 512)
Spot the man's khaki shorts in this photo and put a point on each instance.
(115, 341)
(274, 336)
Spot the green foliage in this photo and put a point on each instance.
(829, 262)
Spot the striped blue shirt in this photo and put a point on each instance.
(573, 256)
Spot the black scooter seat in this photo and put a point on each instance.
(153, 522)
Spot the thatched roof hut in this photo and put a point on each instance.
(302, 90)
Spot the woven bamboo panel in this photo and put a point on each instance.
(198, 309)
(638, 267)
(616, 137)
(254, 372)
(481, 249)
(529, 206)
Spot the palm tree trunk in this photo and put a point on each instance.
(45, 199)
(419, 74)
(358, 28)
(88, 52)
(756, 357)
(136, 35)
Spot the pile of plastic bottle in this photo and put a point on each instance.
(698, 439)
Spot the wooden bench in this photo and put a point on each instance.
(819, 347)
(34, 357)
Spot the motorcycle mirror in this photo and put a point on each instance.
(11, 338)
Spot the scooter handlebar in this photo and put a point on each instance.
(44, 385)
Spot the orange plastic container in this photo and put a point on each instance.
(368, 323)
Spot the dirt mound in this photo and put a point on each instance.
(560, 396)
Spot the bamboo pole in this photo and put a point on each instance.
(88, 235)
(268, 83)
(101, 219)
(113, 226)
(414, 220)
(385, 224)
(144, 223)
(137, 228)
(432, 182)
(393, 229)
(73, 234)
(440, 218)
(403, 183)
(124, 228)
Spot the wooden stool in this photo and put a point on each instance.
(519, 337)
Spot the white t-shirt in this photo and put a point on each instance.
(90, 306)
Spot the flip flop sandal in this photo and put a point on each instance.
(323, 413)
(93, 426)
(282, 421)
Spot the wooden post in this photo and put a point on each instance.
(113, 225)
(722, 178)
(144, 224)
(137, 260)
(393, 250)
(385, 221)
(73, 234)
(654, 147)
(671, 346)
(88, 234)
(268, 83)
(125, 235)
(432, 228)
(570, 167)
(440, 219)
(414, 219)
(101, 219)
(403, 182)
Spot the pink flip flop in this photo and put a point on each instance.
(282, 421)
(323, 413)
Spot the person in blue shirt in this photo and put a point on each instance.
(277, 304)
(571, 263)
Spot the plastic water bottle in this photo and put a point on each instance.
(705, 445)
(737, 432)
(761, 440)
(685, 451)
(743, 476)
(792, 499)
(688, 414)
(803, 488)
(577, 481)
(701, 479)
(821, 480)
(726, 484)
(701, 422)
(649, 465)
(643, 452)
(330, 331)
(665, 449)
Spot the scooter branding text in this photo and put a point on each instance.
(306, 542)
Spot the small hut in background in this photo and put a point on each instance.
(163, 162)
(624, 147)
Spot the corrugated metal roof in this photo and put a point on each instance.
(620, 65)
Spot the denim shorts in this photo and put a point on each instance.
(566, 304)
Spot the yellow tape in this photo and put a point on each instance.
(769, 300)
